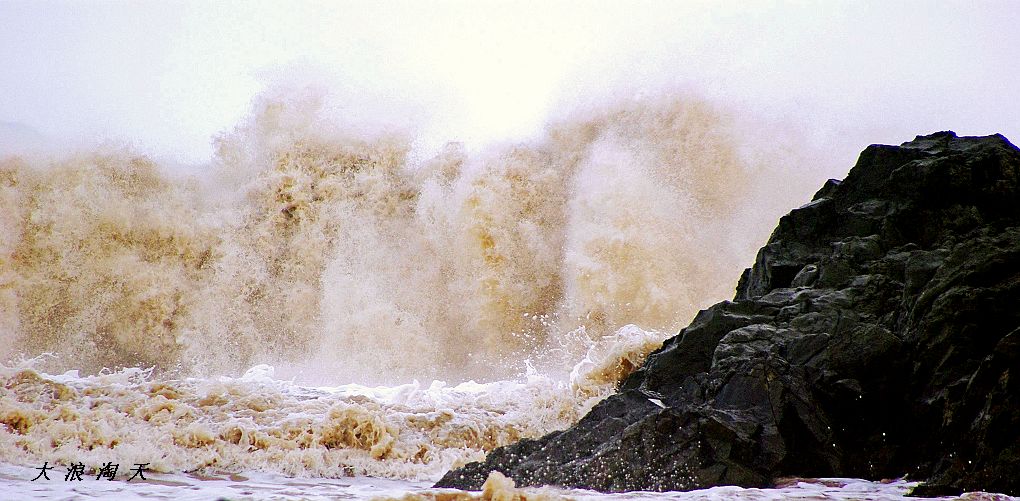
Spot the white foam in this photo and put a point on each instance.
(16, 484)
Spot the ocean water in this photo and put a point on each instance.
(322, 313)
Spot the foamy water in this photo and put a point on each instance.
(257, 437)
(264, 486)
(258, 423)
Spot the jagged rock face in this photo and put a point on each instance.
(876, 335)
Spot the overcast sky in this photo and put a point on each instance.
(168, 75)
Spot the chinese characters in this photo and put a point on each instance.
(75, 471)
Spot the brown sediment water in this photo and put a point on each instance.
(285, 310)
(304, 246)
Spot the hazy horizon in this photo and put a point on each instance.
(167, 77)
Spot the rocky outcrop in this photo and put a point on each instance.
(876, 335)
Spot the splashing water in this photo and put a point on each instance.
(134, 297)
(310, 248)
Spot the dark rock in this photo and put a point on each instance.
(934, 491)
(874, 337)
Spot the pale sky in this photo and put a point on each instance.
(168, 75)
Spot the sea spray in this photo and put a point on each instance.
(308, 254)
(334, 257)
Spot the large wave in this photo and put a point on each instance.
(334, 255)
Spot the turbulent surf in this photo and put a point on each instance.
(320, 302)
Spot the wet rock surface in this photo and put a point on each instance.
(876, 335)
